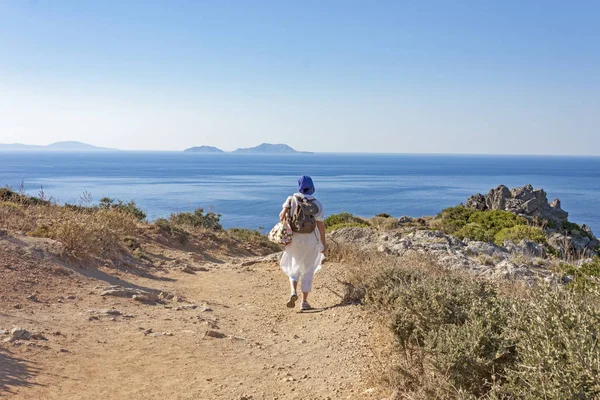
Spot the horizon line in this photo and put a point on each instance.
(297, 153)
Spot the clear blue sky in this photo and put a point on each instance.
(516, 77)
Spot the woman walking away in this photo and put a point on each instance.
(304, 255)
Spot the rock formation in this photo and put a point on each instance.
(524, 201)
(523, 260)
(565, 237)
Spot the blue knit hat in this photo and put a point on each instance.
(306, 185)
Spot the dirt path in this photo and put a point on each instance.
(159, 352)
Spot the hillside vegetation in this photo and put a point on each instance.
(94, 232)
(455, 336)
(472, 303)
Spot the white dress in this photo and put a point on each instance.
(303, 257)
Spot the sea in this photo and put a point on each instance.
(249, 189)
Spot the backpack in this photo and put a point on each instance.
(302, 219)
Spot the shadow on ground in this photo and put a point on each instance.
(15, 372)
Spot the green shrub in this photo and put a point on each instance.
(139, 254)
(454, 218)
(9, 195)
(555, 335)
(343, 220)
(252, 236)
(384, 223)
(198, 219)
(519, 232)
(458, 323)
(496, 219)
(459, 337)
(346, 225)
(129, 208)
(168, 228)
(575, 230)
(475, 232)
(585, 278)
(131, 242)
(477, 225)
(384, 215)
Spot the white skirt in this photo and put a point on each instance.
(303, 256)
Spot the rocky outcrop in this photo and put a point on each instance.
(574, 245)
(566, 238)
(524, 201)
(522, 261)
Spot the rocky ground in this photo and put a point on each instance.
(190, 329)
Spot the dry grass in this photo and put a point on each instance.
(115, 228)
(83, 233)
(384, 223)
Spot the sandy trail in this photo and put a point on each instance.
(159, 352)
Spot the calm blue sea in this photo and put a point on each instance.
(248, 190)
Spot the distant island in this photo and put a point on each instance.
(58, 146)
(271, 148)
(264, 148)
(204, 149)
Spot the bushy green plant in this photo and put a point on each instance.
(475, 232)
(129, 208)
(477, 225)
(384, 223)
(454, 218)
(459, 337)
(496, 219)
(574, 229)
(252, 236)
(131, 242)
(459, 323)
(168, 228)
(198, 219)
(384, 215)
(555, 335)
(585, 277)
(519, 232)
(343, 220)
(9, 195)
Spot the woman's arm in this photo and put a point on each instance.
(321, 227)
(283, 214)
(285, 211)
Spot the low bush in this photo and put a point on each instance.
(87, 235)
(15, 197)
(131, 242)
(555, 336)
(384, 215)
(253, 237)
(574, 229)
(473, 224)
(172, 231)
(198, 219)
(384, 223)
(454, 218)
(519, 232)
(458, 323)
(475, 232)
(460, 337)
(343, 220)
(585, 277)
(129, 208)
